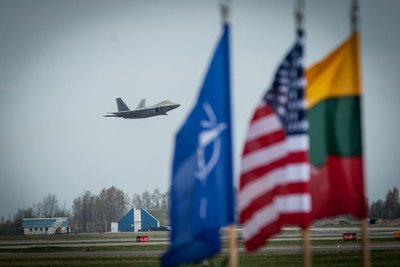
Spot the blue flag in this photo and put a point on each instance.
(202, 192)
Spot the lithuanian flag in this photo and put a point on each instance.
(334, 113)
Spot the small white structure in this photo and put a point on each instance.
(137, 223)
(43, 226)
(114, 227)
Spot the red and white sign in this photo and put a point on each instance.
(142, 238)
(349, 236)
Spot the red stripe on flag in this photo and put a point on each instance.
(267, 198)
(294, 157)
(272, 229)
(256, 204)
(263, 142)
(333, 196)
(259, 240)
(262, 111)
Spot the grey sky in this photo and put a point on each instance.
(63, 63)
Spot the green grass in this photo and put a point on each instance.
(340, 259)
(83, 236)
(140, 261)
(47, 249)
(149, 246)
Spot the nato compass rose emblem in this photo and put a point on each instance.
(210, 135)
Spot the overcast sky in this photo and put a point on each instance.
(63, 63)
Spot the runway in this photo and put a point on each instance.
(381, 238)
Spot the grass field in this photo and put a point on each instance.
(152, 247)
(341, 259)
(122, 250)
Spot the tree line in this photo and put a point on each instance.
(94, 212)
(90, 212)
(387, 209)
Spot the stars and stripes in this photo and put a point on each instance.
(275, 173)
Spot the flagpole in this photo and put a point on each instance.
(299, 14)
(224, 7)
(354, 15)
(306, 248)
(354, 18)
(233, 254)
(365, 243)
(299, 17)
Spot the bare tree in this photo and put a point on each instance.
(48, 207)
(165, 201)
(137, 201)
(63, 211)
(87, 209)
(96, 212)
(388, 209)
(392, 203)
(77, 213)
(377, 209)
(146, 198)
(156, 199)
(19, 215)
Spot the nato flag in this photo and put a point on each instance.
(202, 177)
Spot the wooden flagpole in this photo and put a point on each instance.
(306, 249)
(365, 244)
(233, 253)
(299, 17)
(354, 16)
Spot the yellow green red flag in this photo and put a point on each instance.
(334, 113)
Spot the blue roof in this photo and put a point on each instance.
(148, 220)
(43, 222)
(126, 223)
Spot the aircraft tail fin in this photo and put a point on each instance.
(142, 103)
(121, 105)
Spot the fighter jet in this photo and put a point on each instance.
(141, 110)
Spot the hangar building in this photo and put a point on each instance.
(137, 220)
(43, 226)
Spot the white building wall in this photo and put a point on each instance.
(137, 216)
(114, 227)
(35, 231)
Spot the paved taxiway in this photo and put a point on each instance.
(385, 235)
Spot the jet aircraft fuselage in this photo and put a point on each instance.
(142, 111)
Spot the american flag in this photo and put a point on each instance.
(275, 173)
